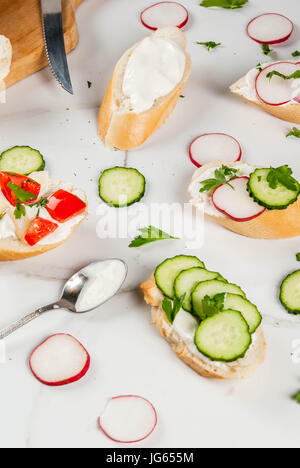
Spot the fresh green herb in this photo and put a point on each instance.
(293, 76)
(296, 53)
(228, 4)
(172, 309)
(266, 49)
(294, 132)
(39, 204)
(210, 44)
(259, 67)
(20, 210)
(298, 257)
(22, 195)
(222, 176)
(297, 398)
(182, 96)
(282, 175)
(89, 84)
(213, 305)
(150, 234)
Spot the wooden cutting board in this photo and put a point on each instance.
(20, 21)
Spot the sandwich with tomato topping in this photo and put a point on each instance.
(37, 214)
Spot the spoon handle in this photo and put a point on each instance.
(28, 318)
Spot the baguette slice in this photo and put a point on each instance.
(290, 113)
(240, 369)
(118, 126)
(271, 224)
(5, 59)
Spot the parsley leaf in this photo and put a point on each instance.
(39, 204)
(229, 4)
(298, 257)
(172, 309)
(293, 76)
(266, 49)
(150, 234)
(259, 67)
(210, 44)
(222, 176)
(20, 210)
(294, 132)
(212, 305)
(282, 175)
(22, 195)
(296, 53)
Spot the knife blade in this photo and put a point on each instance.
(54, 42)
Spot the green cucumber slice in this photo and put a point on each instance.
(21, 160)
(211, 288)
(121, 186)
(187, 280)
(248, 310)
(272, 199)
(290, 293)
(224, 336)
(166, 273)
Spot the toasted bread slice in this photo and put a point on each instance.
(240, 369)
(290, 112)
(123, 129)
(272, 224)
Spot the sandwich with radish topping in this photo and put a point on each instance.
(37, 214)
(261, 203)
(274, 87)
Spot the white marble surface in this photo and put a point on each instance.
(128, 355)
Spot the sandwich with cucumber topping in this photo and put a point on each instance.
(261, 203)
(209, 322)
(37, 214)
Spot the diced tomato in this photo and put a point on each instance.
(23, 182)
(38, 229)
(63, 205)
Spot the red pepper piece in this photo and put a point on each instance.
(63, 205)
(38, 229)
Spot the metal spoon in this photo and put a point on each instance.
(68, 301)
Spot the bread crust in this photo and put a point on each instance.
(271, 224)
(127, 130)
(289, 113)
(241, 369)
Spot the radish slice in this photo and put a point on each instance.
(59, 360)
(277, 91)
(270, 28)
(214, 147)
(236, 204)
(164, 14)
(128, 419)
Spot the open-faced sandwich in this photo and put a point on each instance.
(261, 203)
(274, 87)
(144, 89)
(37, 213)
(209, 322)
(5, 59)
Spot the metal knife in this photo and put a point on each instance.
(54, 42)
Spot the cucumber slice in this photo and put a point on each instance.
(21, 160)
(290, 293)
(248, 310)
(224, 336)
(273, 199)
(211, 288)
(166, 273)
(121, 186)
(187, 280)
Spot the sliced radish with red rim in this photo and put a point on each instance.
(59, 360)
(214, 147)
(270, 28)
(165, 14)
(277, 91)
(236, 202)
(128, 419)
